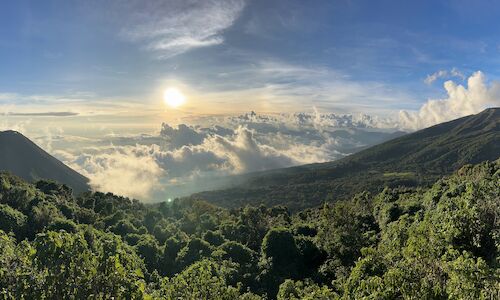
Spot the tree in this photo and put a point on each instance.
(203, 280)
(295, 290)
(148, 249)
(12, 220)
(195, 250)
(215, 238)
(280, 259)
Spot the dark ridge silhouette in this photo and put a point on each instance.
(414, 159)
(23, 158)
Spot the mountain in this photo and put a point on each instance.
(415, 159)
(22, 157)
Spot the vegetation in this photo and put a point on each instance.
(412, 243)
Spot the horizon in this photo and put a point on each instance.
(176, 93)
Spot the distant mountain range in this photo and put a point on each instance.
(23, 158)
(414, 159)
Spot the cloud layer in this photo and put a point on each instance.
(175, 161)
(125, 170)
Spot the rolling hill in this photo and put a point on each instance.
(415, 159)
(22, 157)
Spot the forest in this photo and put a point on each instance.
(437, 242)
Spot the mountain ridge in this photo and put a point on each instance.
(22, 157)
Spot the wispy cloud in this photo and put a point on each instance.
(272, 85)
(44, 114)
(173, 27)
(444, 74)
(66, 104)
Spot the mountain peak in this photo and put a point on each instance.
(10, 132)
(23, 158)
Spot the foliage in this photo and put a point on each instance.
(11, 220)
(432, 242)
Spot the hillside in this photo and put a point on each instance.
(414, 159)
(22, 157)
(426, 243)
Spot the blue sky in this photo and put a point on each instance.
(86, 81)
(116, 58)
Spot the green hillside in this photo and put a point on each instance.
(425, 243)
(416, 159)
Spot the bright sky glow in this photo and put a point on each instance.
(173, 97)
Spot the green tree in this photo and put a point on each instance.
(203, 280)
(12, 220)
(295, 290)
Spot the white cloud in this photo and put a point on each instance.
(195, 157)
(128, 170)
(273, 86)
(8, 96)
(32, 105)
(434, 76)
(454, 72)
(461, 101)
(245, 154)
(176, 26)
(20, 126)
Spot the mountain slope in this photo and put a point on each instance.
(414, 159)
(22, 157)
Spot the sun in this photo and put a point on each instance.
(173, 97)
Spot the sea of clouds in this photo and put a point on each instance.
(184, 158)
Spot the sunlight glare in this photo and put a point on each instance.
(173, 97)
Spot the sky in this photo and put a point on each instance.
(95, 72)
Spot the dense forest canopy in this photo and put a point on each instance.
(413, 243)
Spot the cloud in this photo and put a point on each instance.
(461, 101)
(20, 126)
(78, 103)
(456, 73)
(242, 153)
(434, 76)
(444, 74)
(187, 158)
(219, 155)
(182, 135)
(128, 170)
(147, 172)
(272, 85)
(174, 27)
(44, 114)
